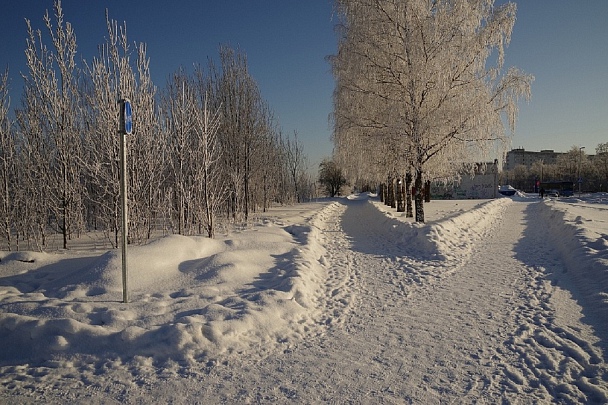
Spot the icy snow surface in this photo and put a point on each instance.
(341, 301)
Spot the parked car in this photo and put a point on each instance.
(507, 190)
(552, 193)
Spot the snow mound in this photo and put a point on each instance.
(192, 298)
(450, 237)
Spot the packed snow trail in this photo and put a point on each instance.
(492, 330)
(491, 320)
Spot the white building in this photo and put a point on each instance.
(484, 184)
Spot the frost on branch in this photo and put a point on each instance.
(415, 81)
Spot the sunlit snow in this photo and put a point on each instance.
(341, 300)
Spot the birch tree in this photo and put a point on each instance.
(212, 191)
(32, 173)
(428, 76)
(111, 77)
(101, 141)
(267, 159)
(147, 153)
(50, 123)
(218, 138)
(8, 163)
(295, 160)
(247, 128)
(271, 173)
(179, 108)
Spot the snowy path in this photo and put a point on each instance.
(492, 330)
(493, 321)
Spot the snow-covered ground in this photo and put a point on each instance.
(342, 301)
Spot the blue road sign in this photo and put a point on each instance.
(128, 117)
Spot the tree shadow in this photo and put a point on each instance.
(276, 278)
(373, 232)
(52, 278)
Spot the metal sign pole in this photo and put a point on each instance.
(126, 126)
(123, 203)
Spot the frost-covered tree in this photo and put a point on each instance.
(211, 191)
(269, 177)
(218, 142)
(147, 154)
(272, 179)
(50, 125)
(179, 107)
(195, 175)
(101, 141)
(112, 77)
(296, 164)
(34, 151)
(224, 151)
(426, 77)
(8, 162)
(245, 128)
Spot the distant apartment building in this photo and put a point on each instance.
(524, 157)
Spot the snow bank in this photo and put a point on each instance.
(453, 233)
(577, 229)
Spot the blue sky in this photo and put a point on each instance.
(563, 43)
